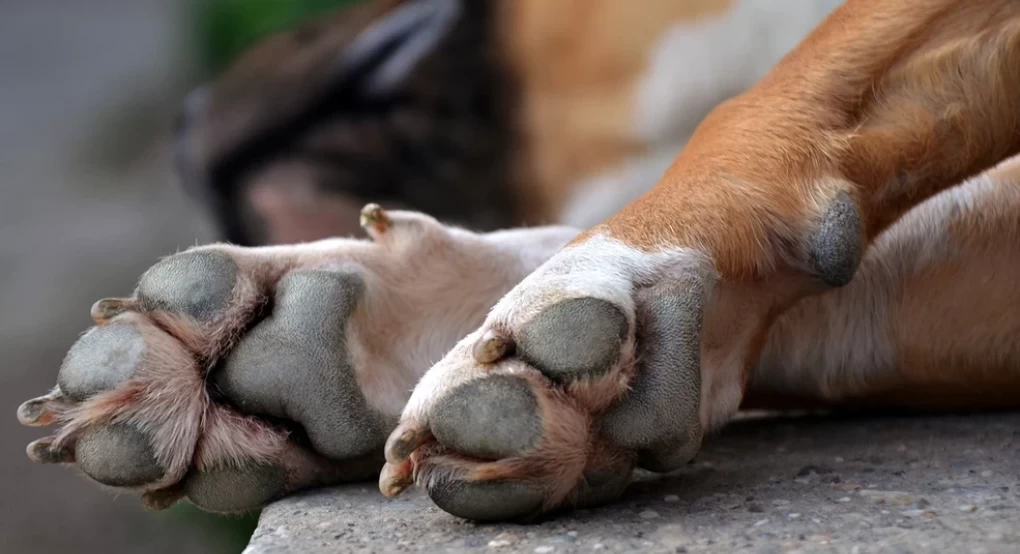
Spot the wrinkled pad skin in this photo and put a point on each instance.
(574, 339)
(294, 365)
(117, 455)
(233, 489)
(100, 360)
(659, 416)
(490, 418)
(197, 284)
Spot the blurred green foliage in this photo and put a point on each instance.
(227, 27)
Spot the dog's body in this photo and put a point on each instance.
(806, 248)
(523, 112)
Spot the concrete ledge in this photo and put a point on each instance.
(894, 484)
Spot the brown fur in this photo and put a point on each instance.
(850, 109)
(888, 101)
(578, 63)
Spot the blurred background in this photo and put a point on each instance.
(88, 95)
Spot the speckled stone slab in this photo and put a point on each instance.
(805, 484)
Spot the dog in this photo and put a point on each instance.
(817, 242)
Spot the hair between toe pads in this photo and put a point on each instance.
(837, 244)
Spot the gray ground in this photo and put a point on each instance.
(71, 233)
(893, 484)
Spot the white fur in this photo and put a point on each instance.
(600, 267)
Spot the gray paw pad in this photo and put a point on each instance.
(235, 489)
(660, 414)
(604, 485)
(118, 455)
(294, 365)
(197, 284)
(579, 337)
(487, 500)
(489, 418)
(837, 245)
(100, 360)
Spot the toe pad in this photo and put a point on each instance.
(118, 455)
(100, 360)
(575, 338)
(488, 501)
(235, 489)
(489, 418)
(196, 283)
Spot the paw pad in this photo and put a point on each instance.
(295, 365)
(197, 284)
(117, 455)
(573, 339)
(489, 418)
(488, 500)
(102, 359)
(235, 489)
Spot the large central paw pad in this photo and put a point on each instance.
(295, 365)
(553, 407)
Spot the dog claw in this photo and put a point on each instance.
(374, 219)
(162, 499)
(106, 309)
(39, 412)
(396, 477)
(492, 347)
(43, 452)
(404, 440)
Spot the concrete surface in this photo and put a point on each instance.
(809, 484)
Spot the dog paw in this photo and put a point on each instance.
(590, 367)
(233, 376)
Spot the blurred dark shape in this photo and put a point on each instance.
(225, 28)
(400, 102)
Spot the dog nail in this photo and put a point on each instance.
(403, 441)
(492, 347)
(108, 308)
(39, 412)
(374, 218)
